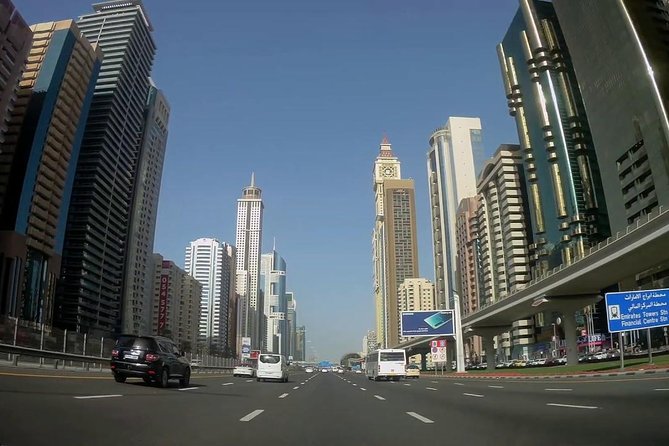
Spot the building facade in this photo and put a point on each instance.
(301, 343)
(176, 303)
(291, 324)
(89, 295)
(275, 311)
(468, 255)
(416, 294)
(137, 289)
(211, 263)
(394, 242)
(38, 158)
(249, 242)
(566, 201)
(451, 171)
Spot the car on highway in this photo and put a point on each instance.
(413, 371)
(309, 370)
(243, 370)
(358, 371)
(272, 366)
(155, 359)
(324, 370)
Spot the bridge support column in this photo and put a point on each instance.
(423, 361)
(488, 334)
(569, 320)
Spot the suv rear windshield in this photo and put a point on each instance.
(136, 342)
(270, 359)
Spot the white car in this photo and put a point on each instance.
(358, 371)
(243, 370)
(340, 370)
(324, 370)
(309, 370)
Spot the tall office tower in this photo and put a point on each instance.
(504, 234)
(176, 303)
(301, 343)
(15, 38)
(566, 202)
(273, 288)
(416, 294)
(625, 41)
(229, 300)
(249, 239)
(210, 262)
(89, 297)
(291, 321)
(137, 288)
(468, 254)
(38, 159)
(394, 245)
(451, 173)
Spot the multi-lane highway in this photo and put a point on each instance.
(330, 409)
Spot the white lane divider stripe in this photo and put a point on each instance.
(252, 415)
(188, 388)
(475, 395)
(458, 384)
(558, 390)
(420, 417)
(296, 387)
(227, 384)
(661, 390)
(379, 397)
(362, 388)
(249, 380)
(571, 406)
(430, 388)
(434, 382)
(355, 385)
(283, 395)
(91, 397)
(496, 387)
(407, 384)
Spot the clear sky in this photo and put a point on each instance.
(301, 92)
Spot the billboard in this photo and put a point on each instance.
(162, 302)
(427, 323)
(246, 347)
(635, 310)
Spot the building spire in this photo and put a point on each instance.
(274, 245)
(385, 150)
(253, 179)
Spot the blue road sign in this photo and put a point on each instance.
(427, 323)
(636, 310)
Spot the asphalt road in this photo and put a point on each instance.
(331, 409)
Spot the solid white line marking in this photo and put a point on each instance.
(558, 390)
(283, 395)
(661, 390)
(407, 384)
(379, 397)
(90, 397)
(496, 387)
(430, 388)
(296, 387)
(252, 415)
(227, 384)
(476, 395)
(572, 406)
(362, 388)
(249, 380)
(420, 417)
(188, 388)
(458, 384)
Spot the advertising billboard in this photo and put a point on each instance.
(427, 323)
(162, 302)
(246, 347)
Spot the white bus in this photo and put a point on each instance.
(386, 363)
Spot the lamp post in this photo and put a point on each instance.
(459, 338)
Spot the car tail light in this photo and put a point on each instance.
(152, 372)
(115, 353)
(151, 357)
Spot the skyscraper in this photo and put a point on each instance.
(96, 240)
(416, 294)
(451, 173)
(273, 288)
(211, 263)
(249, 240)
(394, 245)
(38, 159)
(291, 323)
(566, 202)
(138, 287)
(301, 343)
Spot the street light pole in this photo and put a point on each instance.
(459, 338)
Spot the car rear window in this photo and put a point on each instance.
(392, 356)
(270, 359)
(412, 367)
(136, 342)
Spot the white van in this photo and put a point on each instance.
(272, 366)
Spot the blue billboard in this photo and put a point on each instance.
(427, 323)
(636, 310)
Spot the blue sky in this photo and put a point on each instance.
(301, 92)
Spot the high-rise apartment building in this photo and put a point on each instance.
(371, 342)
(15, 38)
(301, 343)
(394, 245)
(176, 303)
(416, 294)
(38, 158)
(212, 264)
(90, 295)
(137, 289)
(273, 289)
(566, 201)
(249, 240)
(468, 255)
(291, 323)
(452, 161)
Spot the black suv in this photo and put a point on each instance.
(153, 358)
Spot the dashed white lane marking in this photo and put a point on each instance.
(227, 384)
(362, 388)
(475, 395)
(434, 382)
(188, 388)
(420, 417)
(296, 387)
(252, 415)
(496, 387)
(355, 385)
(571, 406)
(91, 397)
(558, 390)
(430, 388)
(283, 395)
(407, 384)
(303, 383)
(379, 397)
(458, 384)
(249, 380)
(661, 390)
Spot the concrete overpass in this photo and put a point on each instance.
(569, 288)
